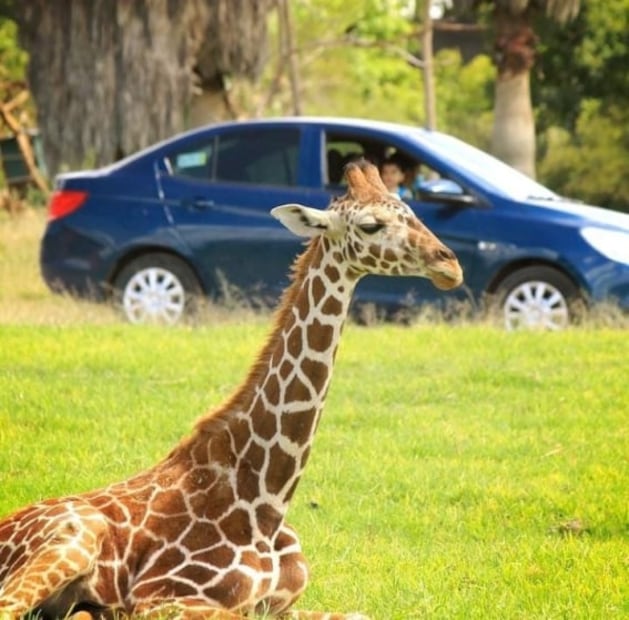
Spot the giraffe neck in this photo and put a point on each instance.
(261, 437)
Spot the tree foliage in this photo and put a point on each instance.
(580, 92)
(354, 57)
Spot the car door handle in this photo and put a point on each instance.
(198, 203)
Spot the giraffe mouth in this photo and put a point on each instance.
(448, 278)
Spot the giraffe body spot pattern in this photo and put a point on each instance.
(203, 533)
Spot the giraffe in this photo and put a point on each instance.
(202, 534)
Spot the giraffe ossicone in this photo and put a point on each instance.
(202, 534)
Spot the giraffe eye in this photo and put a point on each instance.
(372, 227)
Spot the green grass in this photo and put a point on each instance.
(458, 472)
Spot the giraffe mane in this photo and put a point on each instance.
(364, 185)
(241, 398)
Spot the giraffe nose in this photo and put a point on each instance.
(444, 254)
(447, 272)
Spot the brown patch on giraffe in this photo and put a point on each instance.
(114, 512)
(272, 389)
(247, 483)
(167, 558)
(298, 426)
(302, 311)
(171, 525)
(294, 343)
(264, 423)
(332, 306)
(375, 250)
(240, 432)
(318, 287)
(317, 371)
(283, 469)
(197, 573)
(215, 504)
(263, 547)
(236, 526)
(266, 564)
(201, 536)
(319, 336)
(296, 391)
(389, 255)
(199, 478)
(233, 589)
(332, 273)
(254, 456)
(251, 559)
(268, 519)
(286, 369)
(169, 501)
(199, 453)
(222, 556)
(220, 449)
(163, 588)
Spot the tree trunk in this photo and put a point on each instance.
(111, 77)
(428, 73)
(287, 51)
(513, 136)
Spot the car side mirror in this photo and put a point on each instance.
(444, 190)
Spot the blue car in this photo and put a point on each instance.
(189, 217)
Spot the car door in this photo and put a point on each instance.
(219, 191)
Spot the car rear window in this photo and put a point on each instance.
(262, 156)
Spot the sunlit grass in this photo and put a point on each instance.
(457, 473)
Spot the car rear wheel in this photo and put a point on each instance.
(157, 288)
(538, 297)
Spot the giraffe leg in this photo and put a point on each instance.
(59, 553)
(293, 573)
(181, 609)
(293, 581)
(320, 615)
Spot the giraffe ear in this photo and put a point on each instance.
(306, 221)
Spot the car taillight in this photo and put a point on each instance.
(64, 202)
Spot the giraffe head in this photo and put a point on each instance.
(375, 232)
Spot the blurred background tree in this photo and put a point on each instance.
(114, 77)
(580, 93)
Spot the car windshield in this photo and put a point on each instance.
(495, 174)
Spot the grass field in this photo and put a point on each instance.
(459, 471)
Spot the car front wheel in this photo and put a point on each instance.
(538, 297)
(157, 288)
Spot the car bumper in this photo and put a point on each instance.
(72, 263)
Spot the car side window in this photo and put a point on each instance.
(264, 156)
(195, 162)
(342, 148)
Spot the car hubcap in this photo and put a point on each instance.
(154, 295)
(536, 305)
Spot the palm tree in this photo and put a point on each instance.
(513, 136)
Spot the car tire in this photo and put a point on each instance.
(538, 297)
(157, 288)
